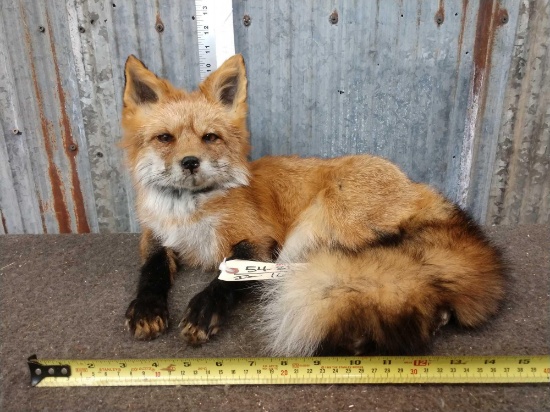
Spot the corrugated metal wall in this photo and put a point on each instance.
(455, 92)
(520, 185)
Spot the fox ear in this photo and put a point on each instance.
(227, 85)
(142, 85)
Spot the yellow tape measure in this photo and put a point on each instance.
(276, 371)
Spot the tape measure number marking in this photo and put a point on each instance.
(316, 370)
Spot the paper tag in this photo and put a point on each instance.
(240, 270)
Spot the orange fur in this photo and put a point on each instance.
(382, 250)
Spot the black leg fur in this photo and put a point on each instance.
(147, 315)
(208, 309)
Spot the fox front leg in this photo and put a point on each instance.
(147, 314)
(208, 309)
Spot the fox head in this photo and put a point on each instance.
(178, 141)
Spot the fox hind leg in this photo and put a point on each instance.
(330, 223)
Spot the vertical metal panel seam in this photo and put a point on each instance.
(79, 211)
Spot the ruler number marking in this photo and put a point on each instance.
(304, 370)
(206, 37)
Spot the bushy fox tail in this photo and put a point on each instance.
(388, 298)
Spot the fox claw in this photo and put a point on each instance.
(147, 318)
(202, 319)
(195, 335)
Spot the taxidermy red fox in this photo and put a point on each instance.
(388, 261)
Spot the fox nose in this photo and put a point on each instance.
(190, 163)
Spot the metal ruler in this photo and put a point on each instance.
(277, 371)
(215, 33)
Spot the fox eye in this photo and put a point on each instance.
(165, 138)
(210, 137)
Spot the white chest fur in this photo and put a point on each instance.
(174, 221)
(196, 241)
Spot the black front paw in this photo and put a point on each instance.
(147, 317)
(205, 314)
